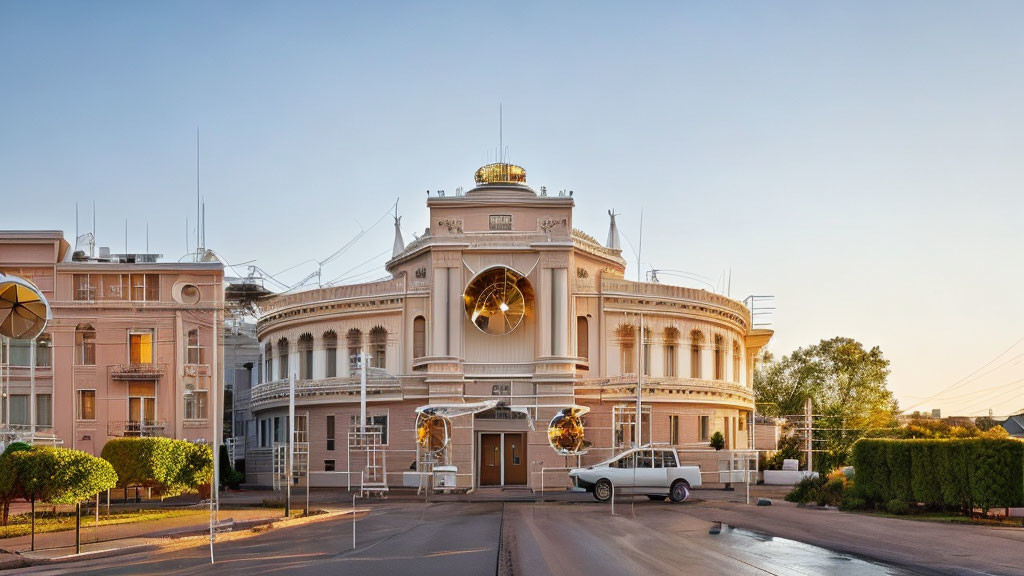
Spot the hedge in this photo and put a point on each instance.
(963, 473)
(172, 467)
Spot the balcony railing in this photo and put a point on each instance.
(136, 371)
(278, 389)
(136, 428)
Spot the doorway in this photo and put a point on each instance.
(502, 459)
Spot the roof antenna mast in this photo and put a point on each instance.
(501, 136)
(198, 209)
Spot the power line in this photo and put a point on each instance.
(965, 378)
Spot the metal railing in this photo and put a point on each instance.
(137, 371)
(136, 428)
(376, 383)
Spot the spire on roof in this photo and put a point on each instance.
(613, 232)
(399, 244)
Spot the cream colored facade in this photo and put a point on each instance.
(578, 343)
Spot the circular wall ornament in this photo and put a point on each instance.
(497, 300)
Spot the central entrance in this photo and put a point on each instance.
(502, 459)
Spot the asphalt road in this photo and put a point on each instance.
(580, 538)
(450, 538)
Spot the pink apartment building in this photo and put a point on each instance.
(131, 349)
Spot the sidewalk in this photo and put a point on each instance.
(138, 533)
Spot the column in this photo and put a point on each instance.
(456, 311)
(439, 308)
(544, 311)
(559, 312)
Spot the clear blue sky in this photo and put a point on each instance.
(861, 161)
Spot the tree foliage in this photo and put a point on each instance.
(171, 467)
(54, 475)
(847, 387)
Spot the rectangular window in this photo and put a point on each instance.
(741, 422)
(501, 222)
(704, 430)
(44, 410)
(85, 286)
(670, 360)
(330, 432)
(85, 348)
(19, 410)
(43, 348)
(268, 372)
(140, 347)
(152, 287)
(142, 401)
(20, 353)
(374, 423)
(328, 465)
(195, 353)
(695, 367)
(264, 434)
(307, 364)
(332, 361)
(195, 405)
(278, 436)
(668, 458)
(673, 429)
(86, 404)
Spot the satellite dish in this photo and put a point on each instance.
(24, 310)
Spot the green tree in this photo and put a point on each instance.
(847, 387)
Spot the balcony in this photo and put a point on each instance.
(137, 371)
(136, 428)
(376, 385)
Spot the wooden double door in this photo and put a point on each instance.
(503, 459)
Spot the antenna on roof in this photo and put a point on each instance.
(501, 136)
(147, 236)
(198, 209)
(640, 248)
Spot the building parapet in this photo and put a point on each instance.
(611, 286)
(319, 296)
(689, 386)
(587, 243)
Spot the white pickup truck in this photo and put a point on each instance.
(646, 470)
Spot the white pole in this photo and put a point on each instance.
(291, 444)
(353, 521)
(215, 485)
(362, 397)
(32, 387)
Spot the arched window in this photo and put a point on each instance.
(582, 338)
(696, 343)
(719, 357)
(671, 343)
(331, 354)
(379, 347)
(268, 363)
(306, 356)
(85, 345)
(419, 337)
(736, 362)
(627, 336)
(282, 358)
(192, 350)
(355, 348)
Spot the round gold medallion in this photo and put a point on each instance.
(496, 300)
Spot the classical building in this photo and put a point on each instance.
(132, 349)
(500, 300)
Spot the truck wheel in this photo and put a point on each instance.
(680, 491)
(603, 490)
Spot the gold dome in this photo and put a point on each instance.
(500, 173)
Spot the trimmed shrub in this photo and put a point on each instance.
(925, 483)
(895, 506)
(60, 475)
(961, 473)
(172, 467)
